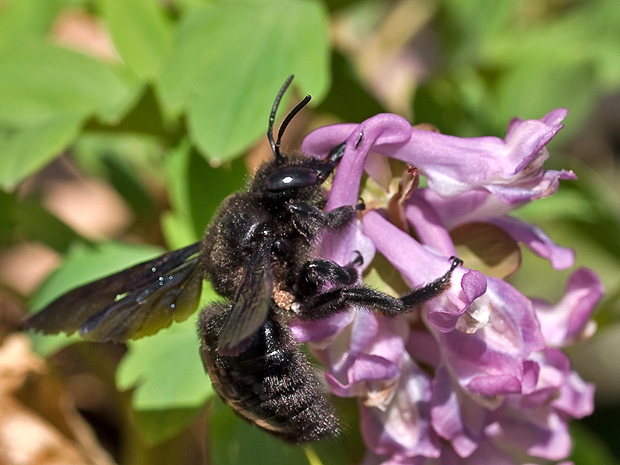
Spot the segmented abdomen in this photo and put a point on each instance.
(271, 383)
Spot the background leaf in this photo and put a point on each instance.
(141, 33)
(197, 189)
(167, 376)
(166, 370)
(21, 19)
(27, 149)
(235, 442)
(157, 426)
(42, 82)
(226, 82)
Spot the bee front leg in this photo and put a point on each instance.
(310, 220)
(320, 273)
(323, 304)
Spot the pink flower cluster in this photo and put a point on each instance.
(477, 374)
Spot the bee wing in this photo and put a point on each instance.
(133, 303)
(251, 305)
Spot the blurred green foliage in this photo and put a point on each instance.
(165, 116)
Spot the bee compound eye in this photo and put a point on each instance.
(293, 177)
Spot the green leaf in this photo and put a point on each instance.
(531, 91)
(20, 19)
(139, 115)
(40, 82)
(7, 220)
(46, 94)
(236, 442)
(168, 376)
(188, 5)
(159, 425)
(48, 345)
(38, 224)
(143, 153)
(230, 61)
(166, 370)
(141, 34)
(127, 183)
(589, 449)
(177, 229)
(196, 188)
(347, 98)
(328, 452)
(81, 265)
(471, 22)
(27, 149)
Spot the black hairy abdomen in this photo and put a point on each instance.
(271, 383)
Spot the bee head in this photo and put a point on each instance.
(288, 174)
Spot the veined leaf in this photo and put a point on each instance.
(230, 61)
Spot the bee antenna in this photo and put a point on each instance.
(275, 145)
(288, 119)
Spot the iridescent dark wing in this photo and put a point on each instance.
(251, 305)
(130, 304)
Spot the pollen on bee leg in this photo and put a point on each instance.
(284, 300)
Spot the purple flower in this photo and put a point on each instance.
(475, 375)
(510, 168)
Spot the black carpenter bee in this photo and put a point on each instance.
(258, 254)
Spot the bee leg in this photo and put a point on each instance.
(418, 296)
(342, 299)
(323, 284)
(408, 301)
(310, 220)
(339, 217)
(211, 320)
(321, 272)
